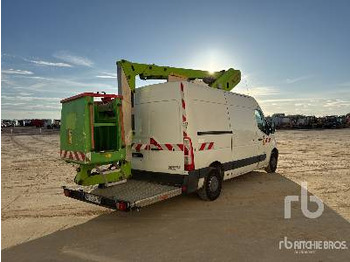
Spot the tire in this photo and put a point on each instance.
(271, 168)
(211, 189)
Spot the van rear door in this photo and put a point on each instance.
(158, 129)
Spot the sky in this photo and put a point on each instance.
(294, 55)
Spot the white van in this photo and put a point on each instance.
(194, 136)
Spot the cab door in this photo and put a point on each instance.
(244, 134)
(262, 138)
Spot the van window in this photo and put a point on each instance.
(260, 120)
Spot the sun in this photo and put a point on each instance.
(211, 60)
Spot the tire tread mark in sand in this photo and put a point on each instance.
(15, 199)
(36, 137)
(26, 148)
(31, 150)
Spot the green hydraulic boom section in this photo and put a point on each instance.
(225, 79)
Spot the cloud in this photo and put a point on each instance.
(16, 72)
(258, 91)
(337, 103)
(107, 76)
(30, 107)
(73, 59)
(306, 106)
(37, 62)
(264, 91)
(297, 79)
(46, 63)
(278, 100)
(25, 94)
(29, 98)
(59, 86)
(38, 77)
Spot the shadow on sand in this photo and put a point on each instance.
(245, 224)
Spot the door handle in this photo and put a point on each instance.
(137, 155)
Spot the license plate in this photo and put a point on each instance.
(93, 198)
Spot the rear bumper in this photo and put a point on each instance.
(159, 177)
(189, 183)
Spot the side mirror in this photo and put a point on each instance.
(273, 128)
(270, 128)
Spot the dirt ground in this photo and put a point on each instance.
(245, 224)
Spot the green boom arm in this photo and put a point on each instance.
(225, 79)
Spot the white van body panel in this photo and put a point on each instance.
(220, 124)
(206, 112)
(157, 115)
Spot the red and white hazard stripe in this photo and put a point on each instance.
(183, 109)
(77, 156)
(139, 147)
(168, 147)
(206, 146)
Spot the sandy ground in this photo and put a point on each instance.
(245, 224)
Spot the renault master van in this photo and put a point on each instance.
(194, 136)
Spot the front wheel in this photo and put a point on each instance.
(212, 186)
(271, 168)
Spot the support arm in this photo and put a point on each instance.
(225, 80)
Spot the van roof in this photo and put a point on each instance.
(203, 85)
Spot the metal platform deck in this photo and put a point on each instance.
(133, 194)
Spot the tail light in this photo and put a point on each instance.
(188, 154)
(66, 192)
(121, 206)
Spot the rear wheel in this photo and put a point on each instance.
(212, 186)
(271, 168)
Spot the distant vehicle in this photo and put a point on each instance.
(332, 122)
(54, 125)
(37, 122)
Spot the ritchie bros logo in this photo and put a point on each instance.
(310, 246)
